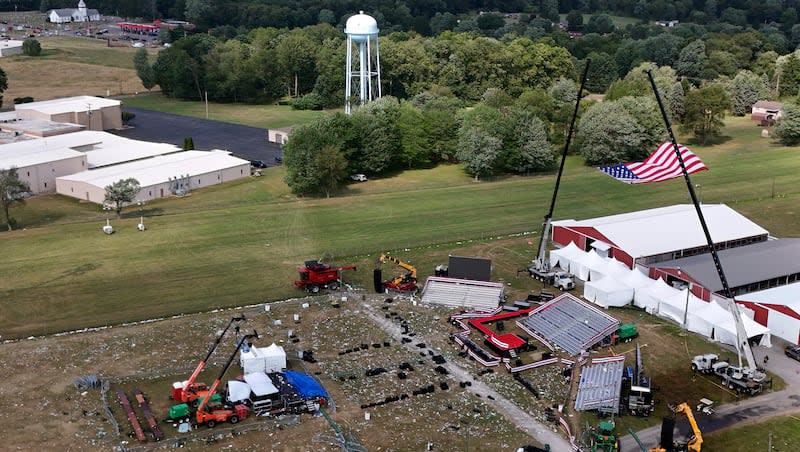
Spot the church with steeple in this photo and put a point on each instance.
(67, 15)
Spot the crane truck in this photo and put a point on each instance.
(734, 376)
(695, 442)
(211, 415)
(406, 282)
(540, 268)
(190, 390)
(315, 275)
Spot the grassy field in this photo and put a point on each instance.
(785, 433)
(269, 116)
(84, 66)
(240, 243)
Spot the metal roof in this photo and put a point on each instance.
(100, 148)
(600, 386)
(742, 265)
(788, 295)
(160, 169)
(667, 229)
(69, 104)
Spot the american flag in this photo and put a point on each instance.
(660, 166)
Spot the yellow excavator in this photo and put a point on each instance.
(401, 283)
(695, 442)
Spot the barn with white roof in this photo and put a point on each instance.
(778, 309)
(159, 177)
(655, 235)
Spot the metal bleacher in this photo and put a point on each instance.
(600, 386)
(452, 292)
(570, 324)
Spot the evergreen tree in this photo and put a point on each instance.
(143, 69)
(746, 89)
(787, 130)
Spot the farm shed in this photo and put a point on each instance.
(269, 359)
(631, 237)
(94, 113)
(766, 112)
(279, 136)
(159, 177)
(10, 47)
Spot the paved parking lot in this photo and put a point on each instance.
(243, 141)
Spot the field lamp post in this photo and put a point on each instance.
(140, 226)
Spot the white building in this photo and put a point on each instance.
(94, 113)
(159, 176)
(10, 47)
(41, 161)
(67, 15)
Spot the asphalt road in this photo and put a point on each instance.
(246, 142)
(751, 409)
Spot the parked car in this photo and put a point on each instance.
(359, 177)
(258, 164)
(793, 351)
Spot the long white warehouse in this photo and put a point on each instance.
(159, 177)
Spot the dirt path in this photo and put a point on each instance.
(513, 413)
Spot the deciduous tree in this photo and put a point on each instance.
(31, 47)
(121, 192)
(12, 190)
(608, 134)
(788, 128)
(478, 151)
(705, 111)
(331, 169)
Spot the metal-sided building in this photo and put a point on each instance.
(649, 236)
(41, 161)
(159, 177)
(94, 113)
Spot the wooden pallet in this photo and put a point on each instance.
(126, 405)
(148, 414)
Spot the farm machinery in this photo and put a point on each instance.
(407, 282)
(315, 275)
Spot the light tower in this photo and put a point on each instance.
(362, 30)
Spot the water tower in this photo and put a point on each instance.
(362, 31)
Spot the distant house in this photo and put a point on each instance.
(668, 23)
(766, 112)
(67, 15)
(10, 47)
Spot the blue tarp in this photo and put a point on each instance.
(305, 385)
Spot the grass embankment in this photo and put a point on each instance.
(782, 432)
(240, 243)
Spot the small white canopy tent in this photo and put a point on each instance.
(649, 297)
(270, 359)
(588, 262)
(566, 257)
(636, 279)
(697, 320)
(260, 384)
(238, 391)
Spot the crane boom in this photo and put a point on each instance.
(541, 263)
(696, 442)
(742, 344)
(187, 389)
(215, 385)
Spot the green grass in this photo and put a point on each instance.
(268, 116)
(240, 243)
(785, 432)
(619, 21)
(88, 51)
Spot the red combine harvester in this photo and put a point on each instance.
(190, 390)
(315, 276)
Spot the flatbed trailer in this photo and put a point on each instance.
(126, 405)
(148, 414)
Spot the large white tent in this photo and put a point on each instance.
(586, 264)
(649, 297)
(610, 267)
(636, 279)
(674, 308)
(566, 257)
(607, 292)
(725, 328)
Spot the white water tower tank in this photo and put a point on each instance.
(362, 37)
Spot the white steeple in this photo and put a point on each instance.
(82, 10)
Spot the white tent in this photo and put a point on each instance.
(610, 267)
(566, 256)
(260, 384)
(648, 297)
(238, 391)
(698, 319)
(270, 359)
(585, 264)
(636, 279)
(725, 329)
(607, 292)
